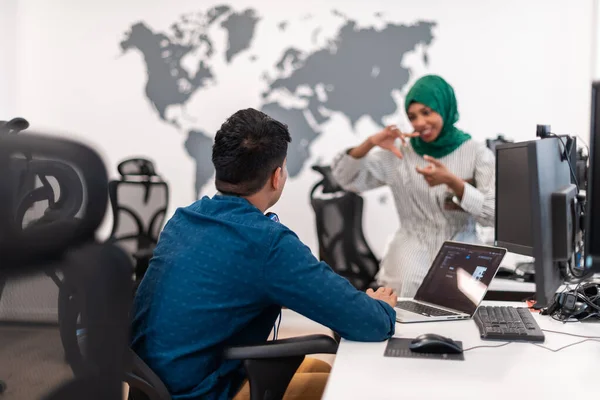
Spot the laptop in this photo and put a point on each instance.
(455, 285)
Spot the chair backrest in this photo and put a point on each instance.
(25, 246)
(493, 143)
(342, 243)
(139, 202)
(101, 272)
(47, 191)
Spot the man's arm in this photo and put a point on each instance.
(295, 279)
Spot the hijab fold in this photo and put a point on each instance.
(437, 94)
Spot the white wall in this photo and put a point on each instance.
(596, 40)
(513, 63)
(8, 56)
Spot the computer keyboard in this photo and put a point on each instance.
(422, 309)
(507, 323)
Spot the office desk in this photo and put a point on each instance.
(509, 290)
(509, 285)
(515, 371)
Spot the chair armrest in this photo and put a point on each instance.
(270, 366)
(291, 347)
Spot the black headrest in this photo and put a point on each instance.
(329, 183)
(137, 167)
(40, 242)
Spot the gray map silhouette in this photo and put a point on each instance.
(354, 74)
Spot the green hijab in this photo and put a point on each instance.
(434, 92)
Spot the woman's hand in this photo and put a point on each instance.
(436, 173)
(387, 137)
(384, 139)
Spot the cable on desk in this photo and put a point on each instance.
(586, 339)
(564, 347)
(567, 320)
(571, 334)
(477, 347)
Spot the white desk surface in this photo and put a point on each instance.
(515, 371)
(509, 285)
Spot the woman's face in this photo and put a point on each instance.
(426, 122)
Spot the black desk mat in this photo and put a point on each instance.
(397, 347)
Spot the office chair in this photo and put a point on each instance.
(493, 143)
(342, 243)
(139, 202)
(99, 271)
(56, 188)
(13, 126)
(139, 193)
(269, 366)
(67, 207)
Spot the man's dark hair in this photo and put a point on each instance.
(248, 148)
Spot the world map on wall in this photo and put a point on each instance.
(354, 74)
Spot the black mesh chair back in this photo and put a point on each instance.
(493, 143)
(342, 243)
(139, 202)
(21, 243)
(62, 236)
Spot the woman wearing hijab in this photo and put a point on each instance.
(442, 181)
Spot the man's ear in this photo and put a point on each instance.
(276, 178)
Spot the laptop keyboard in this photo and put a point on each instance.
(423, 309)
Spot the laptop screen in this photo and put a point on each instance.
(460, 276)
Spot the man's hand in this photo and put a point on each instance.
(385, 294)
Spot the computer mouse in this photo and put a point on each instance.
(436, 344)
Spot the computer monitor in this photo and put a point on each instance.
(513, 228)
(534, 194)
(592, 213)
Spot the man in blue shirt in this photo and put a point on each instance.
(222, 270)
